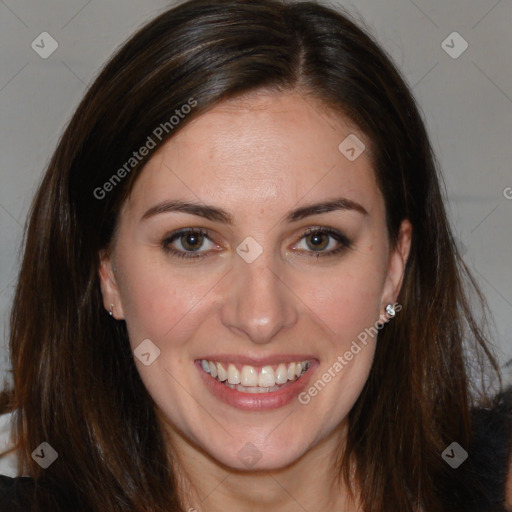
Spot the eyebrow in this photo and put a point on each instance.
(216, 214)
(208, 212)
(327, 206)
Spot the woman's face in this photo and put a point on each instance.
(253, 249)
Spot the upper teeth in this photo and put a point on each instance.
(250, 376)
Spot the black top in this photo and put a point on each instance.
(479, 485)
(13, 493)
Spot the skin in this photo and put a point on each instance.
(258, 157)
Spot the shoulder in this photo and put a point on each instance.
(479, 483)
(489, 467)
(15, 492)
(24, 494)
(508, 484)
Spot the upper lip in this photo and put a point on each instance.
(258, 361)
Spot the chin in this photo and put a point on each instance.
(250, 458)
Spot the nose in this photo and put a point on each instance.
(256, 302)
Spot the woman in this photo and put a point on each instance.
(240, 290)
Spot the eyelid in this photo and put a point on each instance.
(183, 231)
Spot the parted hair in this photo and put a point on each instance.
(75, 383)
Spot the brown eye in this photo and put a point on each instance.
(317, 241)
(192, 241)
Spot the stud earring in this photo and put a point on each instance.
(390, 310)
(111, 312)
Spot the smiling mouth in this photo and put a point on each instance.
(252, 379)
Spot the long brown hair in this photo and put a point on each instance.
(75, 383)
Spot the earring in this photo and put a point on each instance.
(111, 312)
(390, 310)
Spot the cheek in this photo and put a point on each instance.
(165, 308)
(348, 298)
(158, 303)
(348, 305)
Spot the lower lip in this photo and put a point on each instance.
(257, 401)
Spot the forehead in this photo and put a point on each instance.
(263, 148)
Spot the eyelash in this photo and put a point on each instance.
(337, 235)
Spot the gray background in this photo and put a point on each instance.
(467, 104)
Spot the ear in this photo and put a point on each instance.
(109, 288)
(396, 267)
